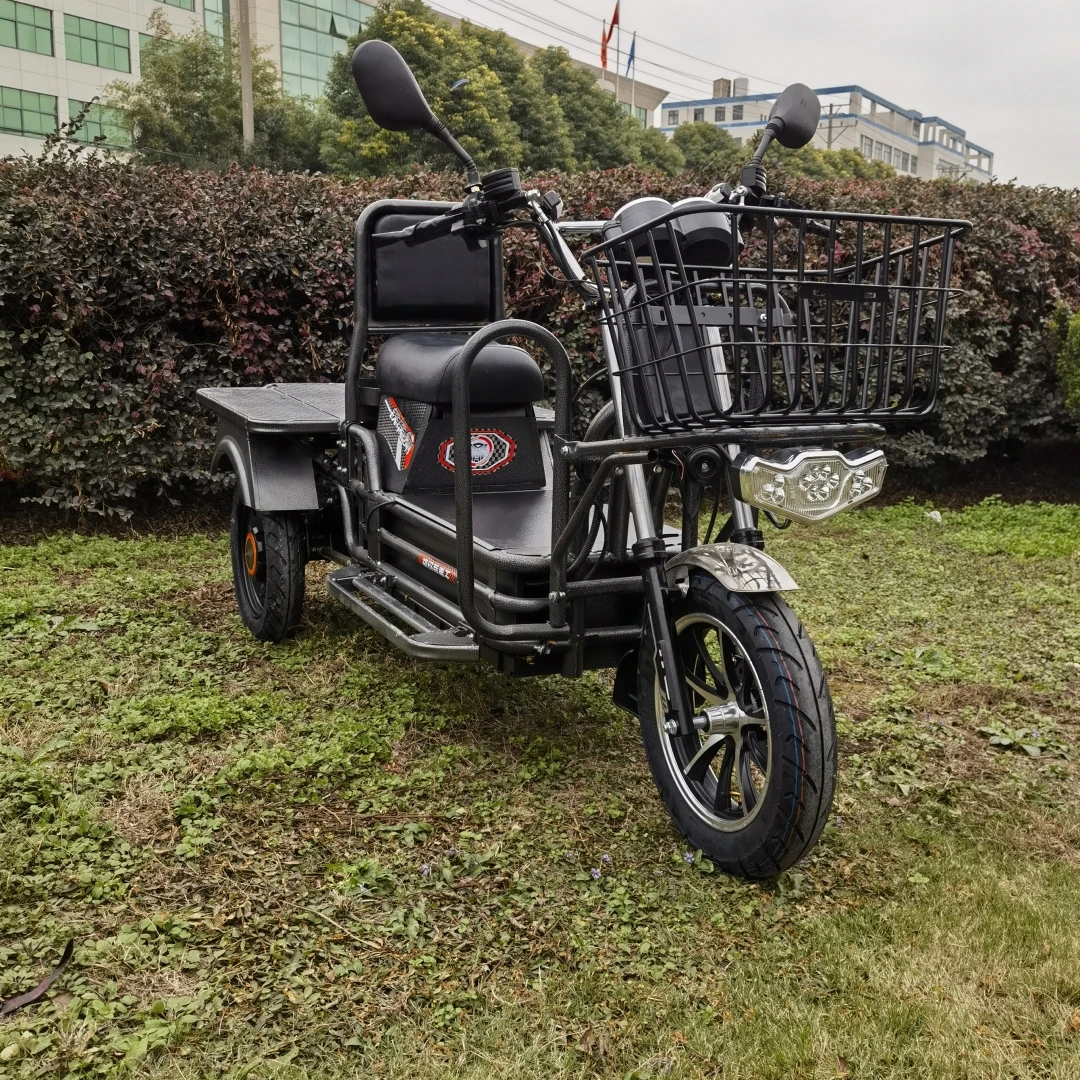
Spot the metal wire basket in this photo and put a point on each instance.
(820, 315)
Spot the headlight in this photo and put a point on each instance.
(810, 485)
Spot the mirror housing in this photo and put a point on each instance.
(795, 116)
(394, 100)
(390, 91)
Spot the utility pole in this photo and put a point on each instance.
(828, 140)
(247, 102)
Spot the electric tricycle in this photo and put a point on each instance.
(754, 351)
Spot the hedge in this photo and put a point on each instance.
(124, 289)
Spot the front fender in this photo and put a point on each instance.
(738, 567)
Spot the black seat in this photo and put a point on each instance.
(419, 367)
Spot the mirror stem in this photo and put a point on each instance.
(437, 128)
(767, 137)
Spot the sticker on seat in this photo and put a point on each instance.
(488, 451)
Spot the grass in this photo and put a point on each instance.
(323, 860)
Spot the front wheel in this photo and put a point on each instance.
(754, 787)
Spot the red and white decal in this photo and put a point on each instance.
(488, 451)
(437, 567)
(406, 440)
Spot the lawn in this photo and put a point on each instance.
(323, 860)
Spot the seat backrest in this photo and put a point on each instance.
(438, 285)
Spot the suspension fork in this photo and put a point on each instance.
(650, 554)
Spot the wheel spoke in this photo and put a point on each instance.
(746, 781)
(699, 688)
(722, 800)
(756, 743)
(699, 764)
(720, 680)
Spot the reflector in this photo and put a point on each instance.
(810, 485)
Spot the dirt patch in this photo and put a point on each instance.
(150, 986)
(143, 812)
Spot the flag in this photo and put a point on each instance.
(614, 19)
(630, 56)
(604, 36)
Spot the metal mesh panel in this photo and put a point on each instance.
(815, 320)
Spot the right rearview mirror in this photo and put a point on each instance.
(794, 117)
(389, 89)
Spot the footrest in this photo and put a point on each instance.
(356, 589)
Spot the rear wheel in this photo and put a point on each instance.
(754, 787)
(268, 570)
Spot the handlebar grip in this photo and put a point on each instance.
(428, 229)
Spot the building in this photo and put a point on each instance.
(55, 55)
(851, 119)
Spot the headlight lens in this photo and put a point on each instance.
(810, 485)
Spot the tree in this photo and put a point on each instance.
(545, 134)
(709, 149)
(818, 164)
(604, 136)
(657, 151)
(478, 112)
(185, 108)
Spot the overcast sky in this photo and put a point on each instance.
(1009, 74)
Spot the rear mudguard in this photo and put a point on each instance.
(272, 472)
(738, 567)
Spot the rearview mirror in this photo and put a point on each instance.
(794, 117)
(389, 89)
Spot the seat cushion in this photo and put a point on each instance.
(419, 367)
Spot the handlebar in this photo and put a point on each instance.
(428, 229)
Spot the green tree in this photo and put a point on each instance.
(657, 151)
(1066, 328)
(542, 125)
(604, 136)
(710, 149)
(440, 55)
(818, 164)
(185, 107)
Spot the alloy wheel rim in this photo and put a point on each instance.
(723, 776)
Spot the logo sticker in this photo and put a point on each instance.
(488, 451)
(406, 440)
(436, 567)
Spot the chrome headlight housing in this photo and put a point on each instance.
(810, 485)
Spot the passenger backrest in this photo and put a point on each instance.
(440, 284)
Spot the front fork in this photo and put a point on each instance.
(651, 556)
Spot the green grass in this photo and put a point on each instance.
(321, 859)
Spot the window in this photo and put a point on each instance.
(719, 114)
(25, 27)
(311, 32)
(866, 146)
(25, 113)
(878, 151)
(699, 116)
(216, 18)
(736, 112)
(637, 112)
(886, 154)
(96, 43)
(738, 140)
(187, 5)
(905, 161)
(100, 122)
(914, 163)
(915, 126)
(673, 117)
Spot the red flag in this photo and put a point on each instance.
(605, 35)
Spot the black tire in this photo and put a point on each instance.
(787, 738)
(268, 570)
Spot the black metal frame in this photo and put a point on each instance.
(794, 363)
(560, 626)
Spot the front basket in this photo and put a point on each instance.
(822, 316)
